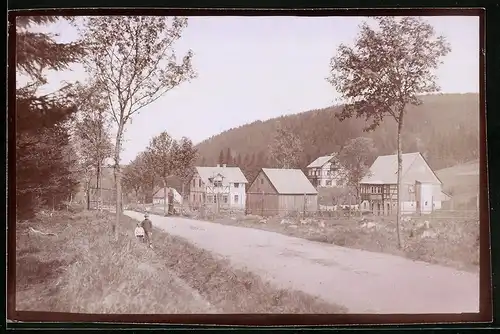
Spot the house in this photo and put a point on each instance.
(281, 192)
(325, 171)
(421, 189)
(221, 187)
(159, 196)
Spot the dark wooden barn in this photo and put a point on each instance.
(281, 192)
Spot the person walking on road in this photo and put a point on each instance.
(147, 225)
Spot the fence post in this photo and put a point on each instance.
(432, 208)
(88, 199)
(349, 206)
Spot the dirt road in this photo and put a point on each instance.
(363, 282)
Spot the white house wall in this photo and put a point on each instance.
(199, 192)
(323, 176)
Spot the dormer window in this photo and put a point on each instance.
(216, 180)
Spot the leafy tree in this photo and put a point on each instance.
(163, 150)
(185, 156)
(355, 159)
(93, 129)
(134, 61)
(286, 149)
(148, 177)
(385, 71)
(132, 177)
(238, 160)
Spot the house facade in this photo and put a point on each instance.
(280, 192)
(421, 189)
(325, 171)
(159, 197)
(219, 187)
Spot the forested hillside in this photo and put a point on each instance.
(445, 128)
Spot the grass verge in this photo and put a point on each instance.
(81, 269)
(450, 241)
(229, 289)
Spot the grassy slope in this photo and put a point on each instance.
(460, 181)
(80, 270)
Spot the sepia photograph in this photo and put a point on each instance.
(247, 164)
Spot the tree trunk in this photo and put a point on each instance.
(165, 204)
(400, 168)
(118, 179)
(182, 195)
(98, 186)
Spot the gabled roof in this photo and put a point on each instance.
(230, 174)
(289, 181)
(384, 170)
(321, 161)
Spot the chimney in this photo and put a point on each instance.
(224, 165)
(218, 165)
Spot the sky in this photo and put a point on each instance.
(257, 68)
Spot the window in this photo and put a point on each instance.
(261, 181)
(425, 203)
(218, 183)
(235, 198)
(215, 199)
(225, 199)
(194, 183)
(199, 183)
(209, 198)
(236, 185)
(372, 190)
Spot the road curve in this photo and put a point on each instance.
(362, 281)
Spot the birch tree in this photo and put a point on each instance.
(389, 67)
(134, 60)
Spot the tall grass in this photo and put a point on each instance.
(82, 269)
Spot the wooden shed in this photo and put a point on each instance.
(281, 192)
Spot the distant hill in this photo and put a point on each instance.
(445, 129)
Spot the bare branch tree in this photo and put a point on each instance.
(385, 71)
(134, 61)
